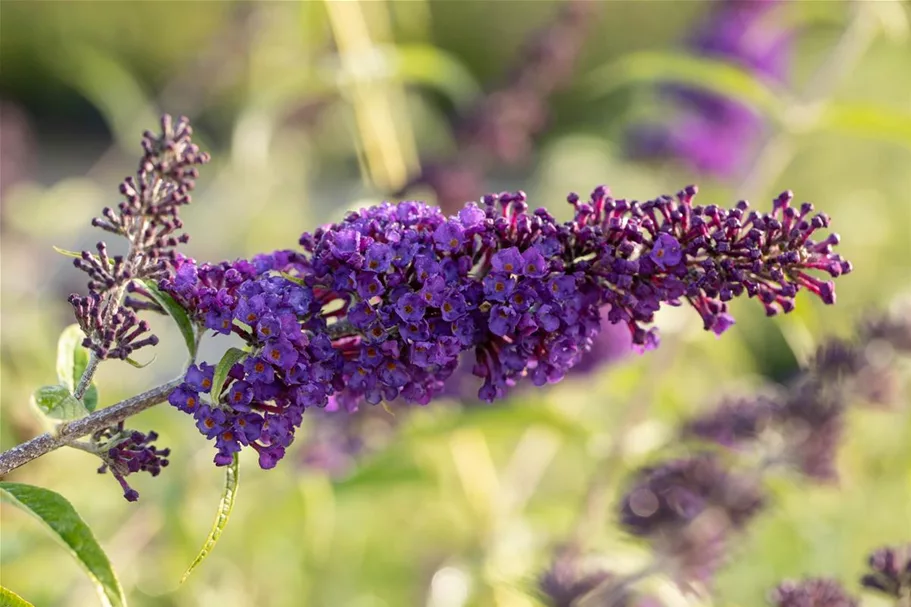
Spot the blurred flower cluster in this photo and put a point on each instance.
(708, 131)
(692, 510)
(381, 305)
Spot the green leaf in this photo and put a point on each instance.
(66, 525)
(139, 365)
(72, 360)
(176, 312)
(68, 253)
(699, 72)
(230, 358)
(294, 279)
(881, 123)
(76, 254)
(221, 518)
(8, 598)
(57, 402)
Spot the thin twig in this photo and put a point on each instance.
(67, 433)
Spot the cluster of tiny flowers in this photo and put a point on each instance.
(686, 508)
(126, 452)
(382, 304)
(806, 418)
(148, 219)
(290, 366)
(813, 592)
(710, 132)
(501, 126)
(890, 571)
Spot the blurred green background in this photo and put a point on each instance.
(462, 506)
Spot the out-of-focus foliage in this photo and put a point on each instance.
(309, 112)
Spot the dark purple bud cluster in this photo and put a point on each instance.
(148, 220)
(813, 592)
(149, 215)
(686, 508)
(126, 452)
(709, 131)
(382, 304)
(804, 420)
(114, 330)
(502, 124)
(890, 571)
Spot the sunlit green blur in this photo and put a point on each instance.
(311, 110)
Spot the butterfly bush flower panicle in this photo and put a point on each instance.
(126, 452)
(381, 305)
(148, 218)
(813, 592)
(890, 572)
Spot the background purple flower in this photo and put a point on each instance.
(709, 132)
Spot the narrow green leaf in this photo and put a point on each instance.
(176, 312)
(72, 359)
(139, 365)
(230, 358)
(57, 402)
(68, 527)
(294, 279)
(221, 517)
(75, 254)
(8, 598)
(699, 72)
(68, 253)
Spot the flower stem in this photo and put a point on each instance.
(86, 380)
(67, 433)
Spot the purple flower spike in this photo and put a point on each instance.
(383, 305)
